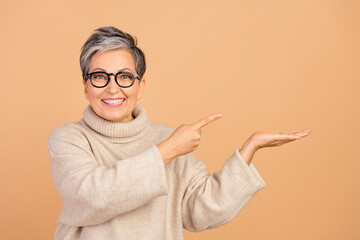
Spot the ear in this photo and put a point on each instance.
(86, 89)
(141, 88)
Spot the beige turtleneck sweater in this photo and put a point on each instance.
(115, 185)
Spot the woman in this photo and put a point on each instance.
(122, 177)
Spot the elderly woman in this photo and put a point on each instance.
(123, 177)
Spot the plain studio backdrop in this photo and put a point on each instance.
(279, 66)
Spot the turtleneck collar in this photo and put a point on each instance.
(118, 132)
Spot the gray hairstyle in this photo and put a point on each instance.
(109, 38)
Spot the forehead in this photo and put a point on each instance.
(112, 60)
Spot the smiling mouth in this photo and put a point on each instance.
(114, 102)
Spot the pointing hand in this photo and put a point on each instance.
(185, 139)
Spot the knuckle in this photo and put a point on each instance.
(254, 135)
(194, 127)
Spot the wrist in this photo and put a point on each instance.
(251, 145)
(248, 150)
(165, 151)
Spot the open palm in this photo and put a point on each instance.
(267, 139)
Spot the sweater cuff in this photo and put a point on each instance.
(159, 163)
(251, 169)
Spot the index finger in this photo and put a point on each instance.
(205, 121)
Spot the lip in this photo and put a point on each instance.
(112, 99)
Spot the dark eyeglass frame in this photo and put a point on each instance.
(89, 75)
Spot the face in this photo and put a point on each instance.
(113, 102)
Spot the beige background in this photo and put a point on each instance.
(266, 65)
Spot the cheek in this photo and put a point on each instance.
(93, 94)
(139, 94)
(130, 92)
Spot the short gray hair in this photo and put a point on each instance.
(110, 38)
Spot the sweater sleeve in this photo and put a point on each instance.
(93, 193)
(213, 200)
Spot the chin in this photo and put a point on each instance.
(114, 115)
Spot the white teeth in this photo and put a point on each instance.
(114, 102)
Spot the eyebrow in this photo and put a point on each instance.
(103, 70)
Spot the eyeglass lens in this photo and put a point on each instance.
(123, 79)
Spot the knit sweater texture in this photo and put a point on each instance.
(115, 186)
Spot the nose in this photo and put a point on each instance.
(112, 86)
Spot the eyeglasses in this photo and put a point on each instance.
(101, 79)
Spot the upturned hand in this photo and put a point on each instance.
(267, 139)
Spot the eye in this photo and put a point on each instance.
(126, 76)
(99, 76)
